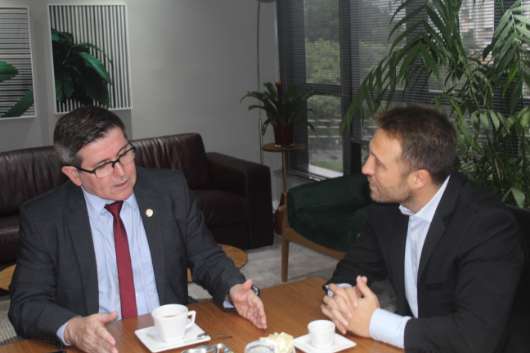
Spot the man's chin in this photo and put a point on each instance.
(122, 193)
(376, 197)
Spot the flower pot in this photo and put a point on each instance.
(283, 134)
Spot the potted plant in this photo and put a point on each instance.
(284, 106)
(493, 138)
(79, 75)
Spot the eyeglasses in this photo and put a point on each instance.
(107, 168)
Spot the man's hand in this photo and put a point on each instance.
(248, 304)
(340, 306)
(351, 308)
(89, 333)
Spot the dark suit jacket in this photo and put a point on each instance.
(468, 273)
(56, 275)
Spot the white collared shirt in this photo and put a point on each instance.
(389, 327)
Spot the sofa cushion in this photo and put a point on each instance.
(8, 238)
(183, 151)
(221, 207)
(335, 227)
(25, 174)
(330, 212)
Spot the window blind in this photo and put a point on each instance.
(106, 27)
(15, 49)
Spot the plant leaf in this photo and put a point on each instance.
(7, 71)
(96, 65)
(20, 107)
(519, 196)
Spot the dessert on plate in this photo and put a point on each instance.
(273, 343)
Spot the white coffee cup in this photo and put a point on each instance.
(172, 321)
(321, 333)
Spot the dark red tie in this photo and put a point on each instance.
(123, 261)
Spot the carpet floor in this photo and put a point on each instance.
(264, 266)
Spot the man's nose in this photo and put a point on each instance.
(367, 168)
(118, 169)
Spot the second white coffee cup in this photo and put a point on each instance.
(321, 333)
(172, 321)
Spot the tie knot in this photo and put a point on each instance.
(114, 208)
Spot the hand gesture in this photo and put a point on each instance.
(339, 307)
(248, 304)
(89, 333)
(352, 308)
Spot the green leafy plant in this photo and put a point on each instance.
(8, 71)
(79, 74)
(283, 106)
(493, 137)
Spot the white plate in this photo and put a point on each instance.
(152, 341)
(341, 343)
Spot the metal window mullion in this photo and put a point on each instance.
(346, 87)
(298, 76)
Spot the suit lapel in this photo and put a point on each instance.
(151, 214)
(437, 227)
(81, 237)
(398, 248)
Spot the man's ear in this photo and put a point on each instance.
(72, 173)
(420, 178)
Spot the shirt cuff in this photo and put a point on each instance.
(343, 285)
(227, 304)
(330, 293)
(60, 334)
(388, 327)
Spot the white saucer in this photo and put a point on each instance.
(341, 343)
(151, 340)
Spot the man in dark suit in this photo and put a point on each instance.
(451, 253)
(113, 242)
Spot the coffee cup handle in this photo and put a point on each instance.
(191, 315)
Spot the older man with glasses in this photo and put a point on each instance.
(113, 242)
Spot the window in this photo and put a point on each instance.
(321, 19)
(329, 46)
(325, 142)
(316, 62)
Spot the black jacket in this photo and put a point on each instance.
(468, 273)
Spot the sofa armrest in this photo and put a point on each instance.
(236, 175)
(251, 181)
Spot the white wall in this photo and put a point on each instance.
(191, 61)
(204, 61)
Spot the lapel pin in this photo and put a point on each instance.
(149, 212)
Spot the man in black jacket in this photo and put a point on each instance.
(451, 252)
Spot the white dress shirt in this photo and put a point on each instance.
(389, 327)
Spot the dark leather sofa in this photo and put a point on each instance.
(234, 195)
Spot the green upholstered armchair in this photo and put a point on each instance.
(325, 216)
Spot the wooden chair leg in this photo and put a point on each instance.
(285, 259)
